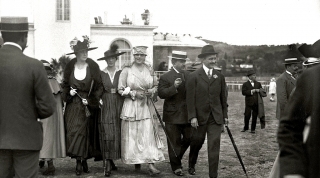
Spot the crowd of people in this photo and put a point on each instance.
(110, 114)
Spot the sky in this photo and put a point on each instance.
(238, 22)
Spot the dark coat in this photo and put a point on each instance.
(25, 96)
(205, 96)
(250, 99)
(175, 107)
(285, 85)
(96, 84)
(295, 156)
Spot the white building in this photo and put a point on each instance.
(54, 23)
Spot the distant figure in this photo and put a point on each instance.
(272, 89)
(25, 96)
(253, 91)
(163, 66)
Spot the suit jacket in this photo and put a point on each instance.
(174, 107)
(206, 96)
(250, 99)
(285, 85)
(297, 157)
(25, 96)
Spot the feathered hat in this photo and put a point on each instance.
(77, 45)
(112, 52)
(47, 65)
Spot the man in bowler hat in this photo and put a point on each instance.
(207, 109)
(172, 88)
(252, 90)
(25, 96)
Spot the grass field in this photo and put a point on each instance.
(258, 150)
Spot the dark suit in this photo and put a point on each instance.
(285, 85)
(175, 114)
(206, 101)
(25, 95)
(297, 157)
(251, 104)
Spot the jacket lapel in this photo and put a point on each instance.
(293, 81)
(203, 75)
(214, 73)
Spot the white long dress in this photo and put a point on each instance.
(140, 141)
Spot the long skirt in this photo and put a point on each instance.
(53, 133)
(138, 143)
(110, 128)
(77, 129)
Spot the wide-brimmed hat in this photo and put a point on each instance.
(14, 24)
(181, 55)
(78, 45)
(140, 50)
(112, 52)
(250, 72)
(292, 55)
(207, 50)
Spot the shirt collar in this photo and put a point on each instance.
(206, 69)
(13, 44)
(175, 70)
(289, 72)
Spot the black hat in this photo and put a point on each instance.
(307, 50)
(112, 52)
(78, 45)
(207, 50)
(250, 72)
(292, 56)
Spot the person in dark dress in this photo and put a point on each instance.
(80, 92)
(111, 105)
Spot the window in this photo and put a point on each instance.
(63, 10)
(124, 46)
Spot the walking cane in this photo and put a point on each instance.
(236, 149)
(163, 127)
(102, 142)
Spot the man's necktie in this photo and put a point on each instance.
(209, 75)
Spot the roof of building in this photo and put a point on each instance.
(167, 39)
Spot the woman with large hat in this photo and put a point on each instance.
(53, 127)
(111, 105)
(80, 92)
(140, 141)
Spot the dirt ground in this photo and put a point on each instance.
(258, 150)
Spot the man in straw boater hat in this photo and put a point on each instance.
(207, 109)
(25, 96)
(300, 155)
(286, 81)
(253, 91)
(172, 89)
